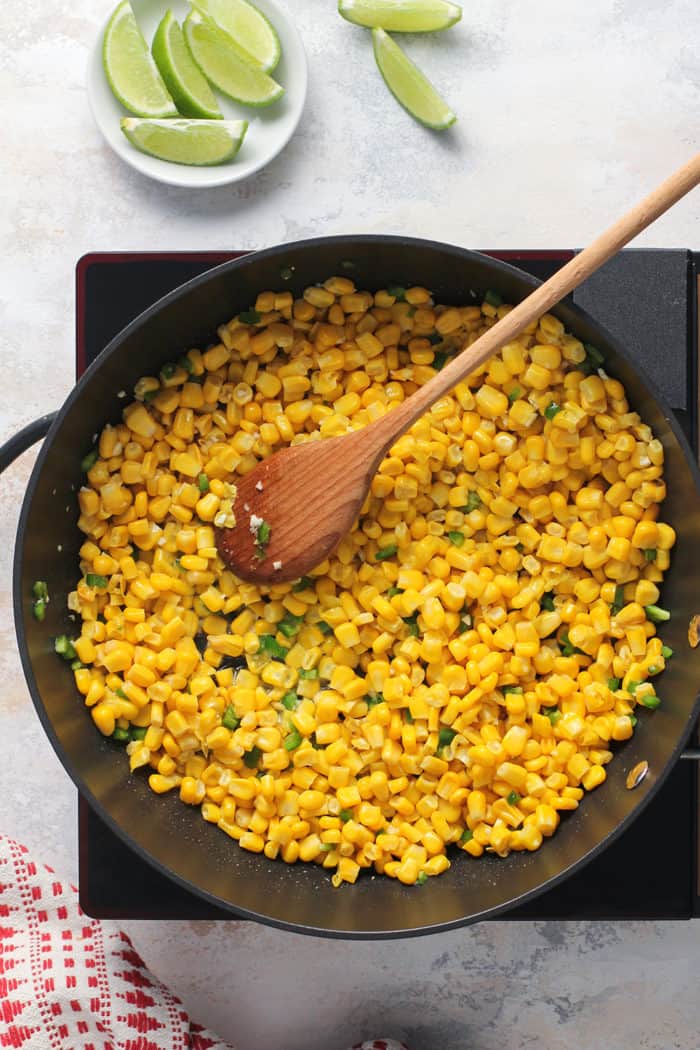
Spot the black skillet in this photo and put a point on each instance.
(173, 837)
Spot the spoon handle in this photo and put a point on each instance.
(573, 273)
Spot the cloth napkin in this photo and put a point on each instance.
(68, 982)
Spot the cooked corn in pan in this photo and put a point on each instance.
(457, 674)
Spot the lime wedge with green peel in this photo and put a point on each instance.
(247, 27)
(132, 74)
(219, 60)
(199, 142)
(401, 16)
(408, 85)
(182, 76)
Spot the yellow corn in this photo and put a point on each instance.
(424, 686)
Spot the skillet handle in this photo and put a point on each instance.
(691, 753)
(24, 439)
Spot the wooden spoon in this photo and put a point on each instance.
(309, 495)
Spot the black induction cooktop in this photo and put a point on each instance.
(649, 299)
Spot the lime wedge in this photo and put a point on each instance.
(401, 16)
(200, 142)
(248, 27)
(408, 85)
(215, 54)
(190, 89)
(132, 74)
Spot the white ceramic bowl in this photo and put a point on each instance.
(269, 130)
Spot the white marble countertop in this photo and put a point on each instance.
(568, 112)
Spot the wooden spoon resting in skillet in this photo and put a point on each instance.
(293, 509)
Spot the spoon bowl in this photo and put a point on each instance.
(331, 478)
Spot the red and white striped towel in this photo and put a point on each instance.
(68, 982)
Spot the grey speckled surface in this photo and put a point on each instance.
(567, 112)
